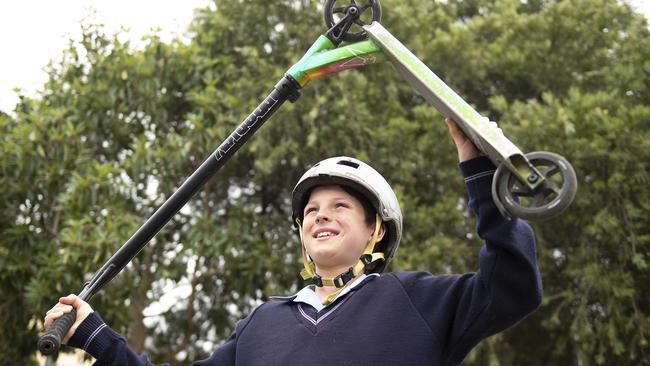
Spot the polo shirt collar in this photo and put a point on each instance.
(307, 294)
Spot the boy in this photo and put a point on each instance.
(350, 225)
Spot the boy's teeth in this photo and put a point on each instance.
(325, 233)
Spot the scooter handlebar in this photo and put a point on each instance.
(50, 342)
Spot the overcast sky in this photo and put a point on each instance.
(32, 32)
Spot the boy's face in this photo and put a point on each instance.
(335, 231)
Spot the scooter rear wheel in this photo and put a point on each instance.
(546, 201)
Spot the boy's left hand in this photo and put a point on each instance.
(466, 148)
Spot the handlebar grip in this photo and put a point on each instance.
(50, 342)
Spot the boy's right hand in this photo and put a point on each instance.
(64, 306)
(465, 147)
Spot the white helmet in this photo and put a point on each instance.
(353, 173)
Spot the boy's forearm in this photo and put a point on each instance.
(508, 260)
(109, 348)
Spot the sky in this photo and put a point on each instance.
(33, 32)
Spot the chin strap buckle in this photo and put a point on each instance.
(340, 280)
(317, 280)
(366, 259)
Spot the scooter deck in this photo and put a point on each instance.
(487, 137)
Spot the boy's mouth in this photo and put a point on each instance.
(325, 233)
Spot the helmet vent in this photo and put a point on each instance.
(348, 163)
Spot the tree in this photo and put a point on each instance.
(117, 129)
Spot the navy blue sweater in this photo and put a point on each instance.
(399, 318)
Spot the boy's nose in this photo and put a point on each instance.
(322, 217)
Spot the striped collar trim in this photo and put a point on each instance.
(321, 317)
(307, 294)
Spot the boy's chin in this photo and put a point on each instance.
(325, 249)
(329, 264)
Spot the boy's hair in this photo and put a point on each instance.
(368, 210)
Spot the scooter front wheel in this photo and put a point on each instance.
(547, 200)
(333, 14)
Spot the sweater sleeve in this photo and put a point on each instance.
(226, 354)
(223, 356)
(464, 309)
(109, 348)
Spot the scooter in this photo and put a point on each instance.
(535, 186)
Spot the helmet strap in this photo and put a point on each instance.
(367, 258)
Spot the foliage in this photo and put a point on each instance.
(116, 129)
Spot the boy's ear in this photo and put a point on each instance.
(382, 231)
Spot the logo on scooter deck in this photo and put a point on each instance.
(258, 115)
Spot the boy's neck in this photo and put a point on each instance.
(325, 291)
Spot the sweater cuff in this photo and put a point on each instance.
(94, 336)
(475, 166)
(478, 173)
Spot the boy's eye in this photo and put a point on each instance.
(309, 210)
(341, 204)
